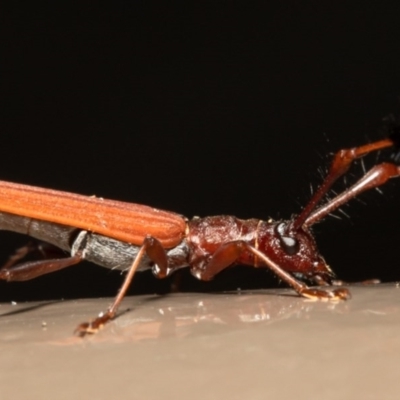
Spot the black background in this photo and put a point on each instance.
(206, 109)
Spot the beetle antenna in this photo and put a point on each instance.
(340, 165)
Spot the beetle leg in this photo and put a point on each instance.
(33, 269)
(154, 250)
(324, 294)
(228, 253)
(300, 287)
(157, 254)
(45, 250)
(367, 282)
(319, 281)
(19, 254)
(225, 256)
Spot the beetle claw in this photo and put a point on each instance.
(326, 294)
(90, 328)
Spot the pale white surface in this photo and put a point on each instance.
(261, 345)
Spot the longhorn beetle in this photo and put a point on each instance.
(133, 237)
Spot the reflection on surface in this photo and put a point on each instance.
(188, 315)
(153, 318)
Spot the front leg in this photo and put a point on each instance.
(229, 252)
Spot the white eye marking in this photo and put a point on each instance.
(288, 241)
(281, 228)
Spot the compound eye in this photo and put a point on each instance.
(289, 244)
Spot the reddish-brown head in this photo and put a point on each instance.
(294, 250)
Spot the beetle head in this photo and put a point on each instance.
(294, 251)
